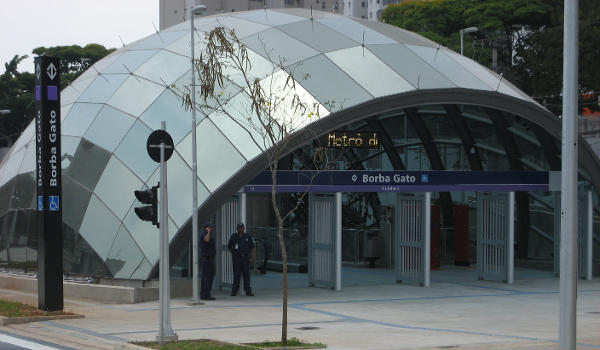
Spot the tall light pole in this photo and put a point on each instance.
(196, 10)
(569, 231)
(462, 35)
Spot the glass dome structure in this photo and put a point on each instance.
(371, 69)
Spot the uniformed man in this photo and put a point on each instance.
(207, 259)
(241, 246)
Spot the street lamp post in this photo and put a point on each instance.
(462, 35)
(567, 334)
(196, 10)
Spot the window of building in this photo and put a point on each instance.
(370, 15)
(323, 4)
(363, 17)
(363, 4)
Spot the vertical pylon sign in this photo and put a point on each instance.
(49, 184)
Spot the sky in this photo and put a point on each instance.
(27, 24)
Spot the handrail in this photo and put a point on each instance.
(541, 200)
(541, 233)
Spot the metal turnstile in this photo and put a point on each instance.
(412, 226)
(495, 236)
(227, 218)
(584, 237)
(322, 240)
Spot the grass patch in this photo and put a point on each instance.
(16, 309)
(291, 342)
(198, 344)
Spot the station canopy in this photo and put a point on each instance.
(374, 72)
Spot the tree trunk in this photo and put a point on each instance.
(284, 323)
(285, 285)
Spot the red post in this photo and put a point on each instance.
(461, 235)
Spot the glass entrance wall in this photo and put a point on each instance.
(425, 99)
(500, 142)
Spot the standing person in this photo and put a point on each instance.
(207, 259)
(241, 246)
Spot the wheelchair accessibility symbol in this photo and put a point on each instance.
(40, 202)
(53, 203)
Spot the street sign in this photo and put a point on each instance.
(399, 181)
(153, 145)
(49, 183)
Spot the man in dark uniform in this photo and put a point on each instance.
(241, 246)
(207, 259)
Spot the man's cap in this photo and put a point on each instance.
(208, 224)
(241, 224)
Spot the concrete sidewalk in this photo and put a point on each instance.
(470, 315)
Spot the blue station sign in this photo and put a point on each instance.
(400, 181)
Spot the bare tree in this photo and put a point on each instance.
(267, 103)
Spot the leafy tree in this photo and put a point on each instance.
(273, 112)
(74, 59)
(16, 88)
(18, 96)
(527, 34)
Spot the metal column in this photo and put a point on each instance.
(495, 236)
(412, 224)
(557, 218)
(590, 235)
(570, 136)
(585, 239)
(427, 247)
(338, 241)
(226, 219)
(511, 239)
(322, 241)
(165, 332)
(243, 199)
(585, 217)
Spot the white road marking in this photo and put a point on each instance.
(24, 343)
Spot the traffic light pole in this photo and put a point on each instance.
(165, 331)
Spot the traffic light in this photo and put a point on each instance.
(148, 212)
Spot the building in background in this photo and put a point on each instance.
(173, 12)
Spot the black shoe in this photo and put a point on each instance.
(233, 294)
(209, 298)
(249, 294)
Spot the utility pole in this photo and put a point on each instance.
(570, 137)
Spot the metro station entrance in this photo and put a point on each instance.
(411, 227)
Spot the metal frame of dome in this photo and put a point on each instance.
(110, 109)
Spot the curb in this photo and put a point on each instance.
(129, 346)
(5, 321)
(295, 348)
(286, 347)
